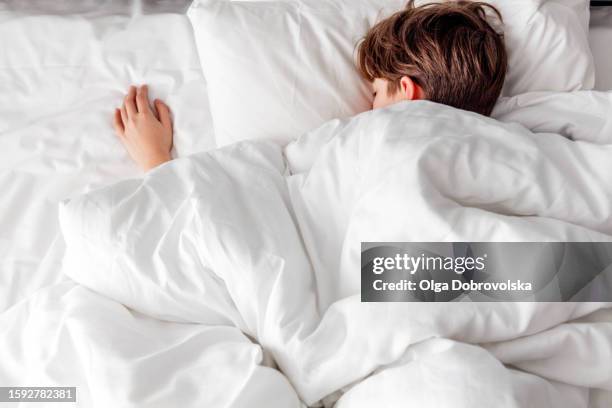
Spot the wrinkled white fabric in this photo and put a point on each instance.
(268, 240)
(66, 335)
(60, 79)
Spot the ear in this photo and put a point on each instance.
(410, 90)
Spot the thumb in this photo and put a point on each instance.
(164, 113)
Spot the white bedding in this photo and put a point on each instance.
(60, 78)
(231, 238)
(119, 358)
(56, 138)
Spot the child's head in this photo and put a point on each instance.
(443, 52)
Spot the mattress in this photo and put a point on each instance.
(61, 76)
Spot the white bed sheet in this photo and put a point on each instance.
(60, 78)
(600, 37)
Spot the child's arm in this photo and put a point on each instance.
(146, 133)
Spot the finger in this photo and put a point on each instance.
(124, 116)
(163, 112)
(129, 102)
(118, 123)
(142, 99)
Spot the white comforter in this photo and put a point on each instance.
(263, 241)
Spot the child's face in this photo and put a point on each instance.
(408, 91)
(382, 98)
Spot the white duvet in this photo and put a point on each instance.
(265, 241)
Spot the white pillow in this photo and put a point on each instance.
(276, 69)
(548, 45)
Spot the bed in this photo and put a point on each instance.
(67, 155)
(63, 68)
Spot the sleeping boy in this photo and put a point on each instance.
(446, 53)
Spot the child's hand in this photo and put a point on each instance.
(145, 133)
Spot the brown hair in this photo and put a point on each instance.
(448, 49)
